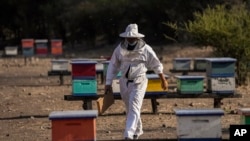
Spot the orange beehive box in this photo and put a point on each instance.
(27, 43)
(56, 43)
(56, 50)
(73, 125)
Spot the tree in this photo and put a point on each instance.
(225, 29)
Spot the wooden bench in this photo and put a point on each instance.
(87, 100)
(60, 74)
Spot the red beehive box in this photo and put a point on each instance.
(27, 43)
(83, 68)
(73, 125)
(41, 51)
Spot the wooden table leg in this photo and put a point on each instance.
(217, 102)
(87, 104)
(154, 104)
(61, 79)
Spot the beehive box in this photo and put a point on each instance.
(28, 51)
(27, 43)
(220, 67)
(154, 84)
(41, 43)
(105, 67)
(56, 47)
(244, 115)
(221, 85)
(116, 86)
(11, 50)
(187, 84)
(73, 125)
(83, 68)
(180, 64)
(59, 65)
(199, 124)
(84, 87)
(200, 64)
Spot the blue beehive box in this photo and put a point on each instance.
(28, 51)
(187, 84)
(223, 66)
(84, 87)
(199, 124)
(180, 64)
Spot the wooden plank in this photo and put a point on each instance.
(103, 103)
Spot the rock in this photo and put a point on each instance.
(164, 125)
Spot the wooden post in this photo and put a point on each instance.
(87, 104)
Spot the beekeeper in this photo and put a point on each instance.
(133, 57)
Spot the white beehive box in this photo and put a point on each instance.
(181, 64)
(116, 86)
(59, 65)
(99, 66)
(221, 85)
(198, 124)
(11, 50)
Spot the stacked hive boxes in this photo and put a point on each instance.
(220, 75)
(199, 124)
(41, 46)
(84, 81)
(28, 47)
(56, 47)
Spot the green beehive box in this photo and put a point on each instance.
(84, 87)
(190, 84)
(245, 115)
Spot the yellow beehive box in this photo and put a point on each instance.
(154, 84)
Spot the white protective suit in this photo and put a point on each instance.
(133, 81)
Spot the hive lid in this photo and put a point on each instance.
(221, 59)
(200, 59)
(244, 111)
(82, 61)
(73, 114)
(59, 60)
(189, 77)
(155, 76)
(182, 59)
(198, 112)
(41, 41)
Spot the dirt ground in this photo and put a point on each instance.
(28, 95)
